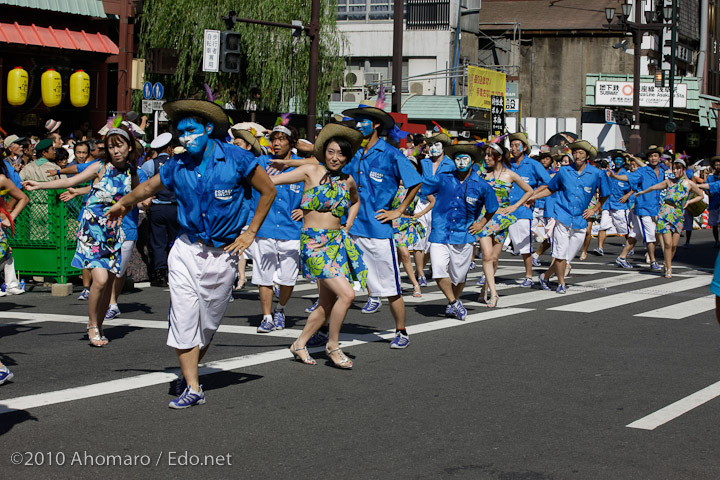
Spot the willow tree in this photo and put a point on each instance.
(275, 63)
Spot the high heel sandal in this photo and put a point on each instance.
(417, 293)
(344, 363)
(668, 272)
(96, 340)
(308, 360)
(492, 303)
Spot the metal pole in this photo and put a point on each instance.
(155, 124)
(670, 126)
(397, 55)
(314, 33)
(635, 139)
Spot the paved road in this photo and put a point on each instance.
(543, 387)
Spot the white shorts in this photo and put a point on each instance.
(380, 256)
(538, 224)
(451, 261)
(125, 254)
(643, 227)
(617, 218)
(714, 217)
(275, 261)
(519, 233)
(200, 280)
(426, 222)
(567, 242)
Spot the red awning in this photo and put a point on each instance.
(50, 37)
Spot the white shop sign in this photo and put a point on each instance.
(621, 94)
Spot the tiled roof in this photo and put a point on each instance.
(547, 14)
(436, 107)
(88, 8)
(56, 38)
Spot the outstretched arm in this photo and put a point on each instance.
(658, 186)
(87, 175)
(128, 202)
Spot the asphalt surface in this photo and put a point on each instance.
(542, 387)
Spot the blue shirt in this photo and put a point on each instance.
(640, 179)
(377, 174)
(459, 204)
(214, 206)
(429, 179)
(534, 174)
(575, 190)
(715, 285)
(13, 175)
(164, 196)
(130, 221)
(714, 197)
(278, 224)
(618, 189)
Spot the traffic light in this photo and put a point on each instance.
(230, 55)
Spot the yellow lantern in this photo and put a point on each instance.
(17, 86)
(79, 88)
(51, 87)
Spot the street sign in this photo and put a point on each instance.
(157, 104)
(497, 110)
(512, 98)
(211, 51)
(147, 90)
(158, 90)
(147, 106)
(610, 116)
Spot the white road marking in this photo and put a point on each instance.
(620, 299)
(682, 310)
(156, 378)
(674, 410)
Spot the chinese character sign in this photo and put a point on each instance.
(211, 49)
(497, 111)
(621, 93)
(483, 84)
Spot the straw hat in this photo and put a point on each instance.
(465, 147)
(249, 138)
(522, 136)
(653, 149)
(584, 145)
(439, 137)
(368, 109)
(212, 112)
(336, 130)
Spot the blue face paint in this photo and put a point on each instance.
(619, 162)
(193, 135)
(364, 126)
(463, 162)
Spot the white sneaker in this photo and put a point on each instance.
(14, 291)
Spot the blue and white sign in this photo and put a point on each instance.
(158, 90)
(147, 91)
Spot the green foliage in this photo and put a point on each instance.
(276, 63)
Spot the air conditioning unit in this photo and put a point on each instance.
(354, 96)
(354, 78)
(417, 88)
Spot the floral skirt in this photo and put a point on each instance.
(98, 246)
(497, 227)
(330, 254)
(670, 219)
(407, 232)
(4, 244)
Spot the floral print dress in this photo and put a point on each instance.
(497, 227)
(406, 231)
(98, 244)
(670, 218)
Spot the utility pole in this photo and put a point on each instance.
(397, 55)
(313, 30)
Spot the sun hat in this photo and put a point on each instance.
(249, 138)
(52, 125)
(469, 148)
(522, 136)
(336, 130)
(212, 112)
(441, 137)
(368, 109)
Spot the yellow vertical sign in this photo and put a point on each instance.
(483, 84)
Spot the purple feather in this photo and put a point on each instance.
(211, 97)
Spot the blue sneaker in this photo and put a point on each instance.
(655, 267)
(318, 339)
(372, 306)
(84, 295)
(561, 289)
(266, 326)
(459, 310)
(279, 319)
(535, 260)
(622, 262)
(481, 281)
(449, 312)
(188, 398)
(112, 312)
(312, 307)
(543, 283)
(472, 265)
(400, 341)
(422, 282)
(631, 253)
(527, 283)
(5, 374)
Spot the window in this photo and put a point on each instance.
(365, 10)
(428, 14)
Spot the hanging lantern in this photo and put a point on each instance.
(17, 86)
(51, 87)
(79, 88)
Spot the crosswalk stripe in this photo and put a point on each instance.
(682, 310)
(620, 299)
(156, 378)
